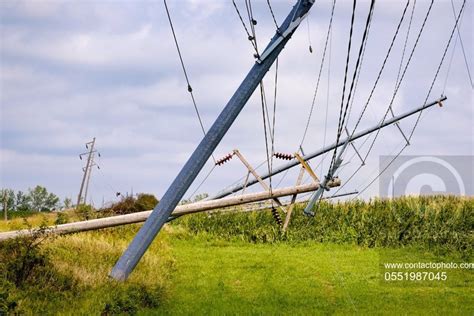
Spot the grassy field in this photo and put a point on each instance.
(237, 278)
(237, 264)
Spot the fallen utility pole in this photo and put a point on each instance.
(201, 154)
(326, 149)
(197, 207)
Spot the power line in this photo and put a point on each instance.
(401, 78)
(345, 80)
(363, 42)
(190, 89)
(327, 96)
(427, 96)
(406, 41)
(381, 172)
(252, 22)
(381, 69)
(374, 87)
(273, 15)
(202, 182)
(359, 59)
(263, 102)
(319, 75)
(249, 36)
(274, 120)
(462, 45)
(439, 66)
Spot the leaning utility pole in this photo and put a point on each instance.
(86, 169)
(92, 164)
(201, 154)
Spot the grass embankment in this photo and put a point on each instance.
(70, 275)
(240, 264)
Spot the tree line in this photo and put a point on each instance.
(36, 199)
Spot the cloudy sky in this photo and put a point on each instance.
(71, 71)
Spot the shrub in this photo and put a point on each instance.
(129, 204)
(26, 271)
(125, 206)
(22, 257)
(146, 202)
(85, 212)
(62, 218)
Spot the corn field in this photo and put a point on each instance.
(433, 222)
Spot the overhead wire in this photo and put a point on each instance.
(273, 121)
(359, 69)
(462, 45)
(360, 56)
(381, 70)
(405, 43)
(319, 76)
(381, 172)
(345, 80)
(401, 64)
(449, 65)
(426, 98)
(401, 78)
(252, 22)
(394, 94)
(363, 43)
(372, 92)
(202, 182)
(190, 89)
(249, 36)
(327, 96)
(369, 98)
(273, 14)
(439, 67)
(262, 99)
(309, 35)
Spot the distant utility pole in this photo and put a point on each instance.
(5, 214)
(87, 170)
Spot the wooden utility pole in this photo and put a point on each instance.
(201, 206)
(87, 170)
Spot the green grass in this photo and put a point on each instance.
(221, 277)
